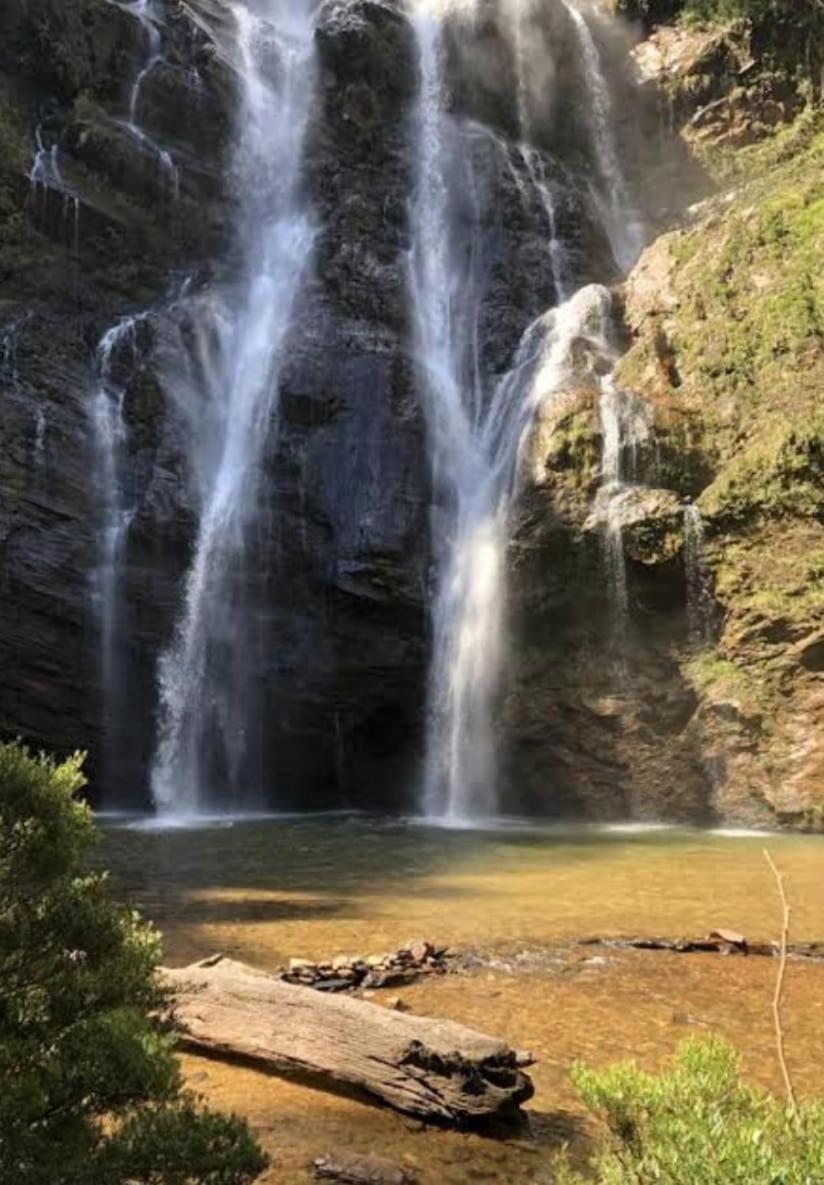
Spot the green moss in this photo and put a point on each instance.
(780, 474)
(576, 447)
(654, 540)
(713, 674)
(744, 363)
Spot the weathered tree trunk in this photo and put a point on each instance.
(433, 1069)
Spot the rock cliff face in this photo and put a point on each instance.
(714, 717)
(597, 719)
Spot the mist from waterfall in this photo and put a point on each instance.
(230, 393)
(477, 425)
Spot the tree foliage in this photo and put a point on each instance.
(90, 1091)
(697, 1124)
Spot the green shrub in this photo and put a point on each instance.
(697, 1124)
(90, 1091)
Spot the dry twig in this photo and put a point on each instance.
(779, 985)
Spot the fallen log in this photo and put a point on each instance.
(432, 1069)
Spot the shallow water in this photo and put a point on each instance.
(266, 889)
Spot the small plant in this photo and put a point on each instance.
(696, 1123)
(90, 1091)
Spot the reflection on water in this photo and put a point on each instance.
(267, 889)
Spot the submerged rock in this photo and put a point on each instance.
(354, 1169)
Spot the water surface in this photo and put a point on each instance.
(268, 889)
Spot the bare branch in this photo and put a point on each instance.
(779, 985)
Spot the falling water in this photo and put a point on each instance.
(627, 434)
(146, 12)
(9, 373)
(39, 438)
(205, 680)
(545, 188)
(117, 355)
(46, 176)
(612, 488)
(533, 161)
(620, 219)
(475, 439)
(8, 350)
(700, 599)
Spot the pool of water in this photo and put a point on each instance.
(267, 889)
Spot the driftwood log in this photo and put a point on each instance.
(433, 1069)
(720, 942)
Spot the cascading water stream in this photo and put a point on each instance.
(626, 431)
(476, 431)
(205, 680)
(40, 428)
(532, 160)
(9, 370)
(620, 219)
(9, 373)
(45, 176)
(147, 13)
(476, 426)
(117, 356)
(612, 488)
(700, 599)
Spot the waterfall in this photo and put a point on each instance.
(39, 438)
(475, 436)
(8, 350)
(147, 13)
(459, 775)
(9, 372)
(626, 429)
(619, 217)
(45, 176)
(117, 355)
(700, 599)
(532, 160)
(205, 677)
(612, 487)
(476, 424)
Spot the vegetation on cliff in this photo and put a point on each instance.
(90, 1091)
(727, 317)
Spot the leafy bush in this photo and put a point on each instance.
(697, 1124)
(90, 1091)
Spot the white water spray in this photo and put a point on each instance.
(204, 678)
